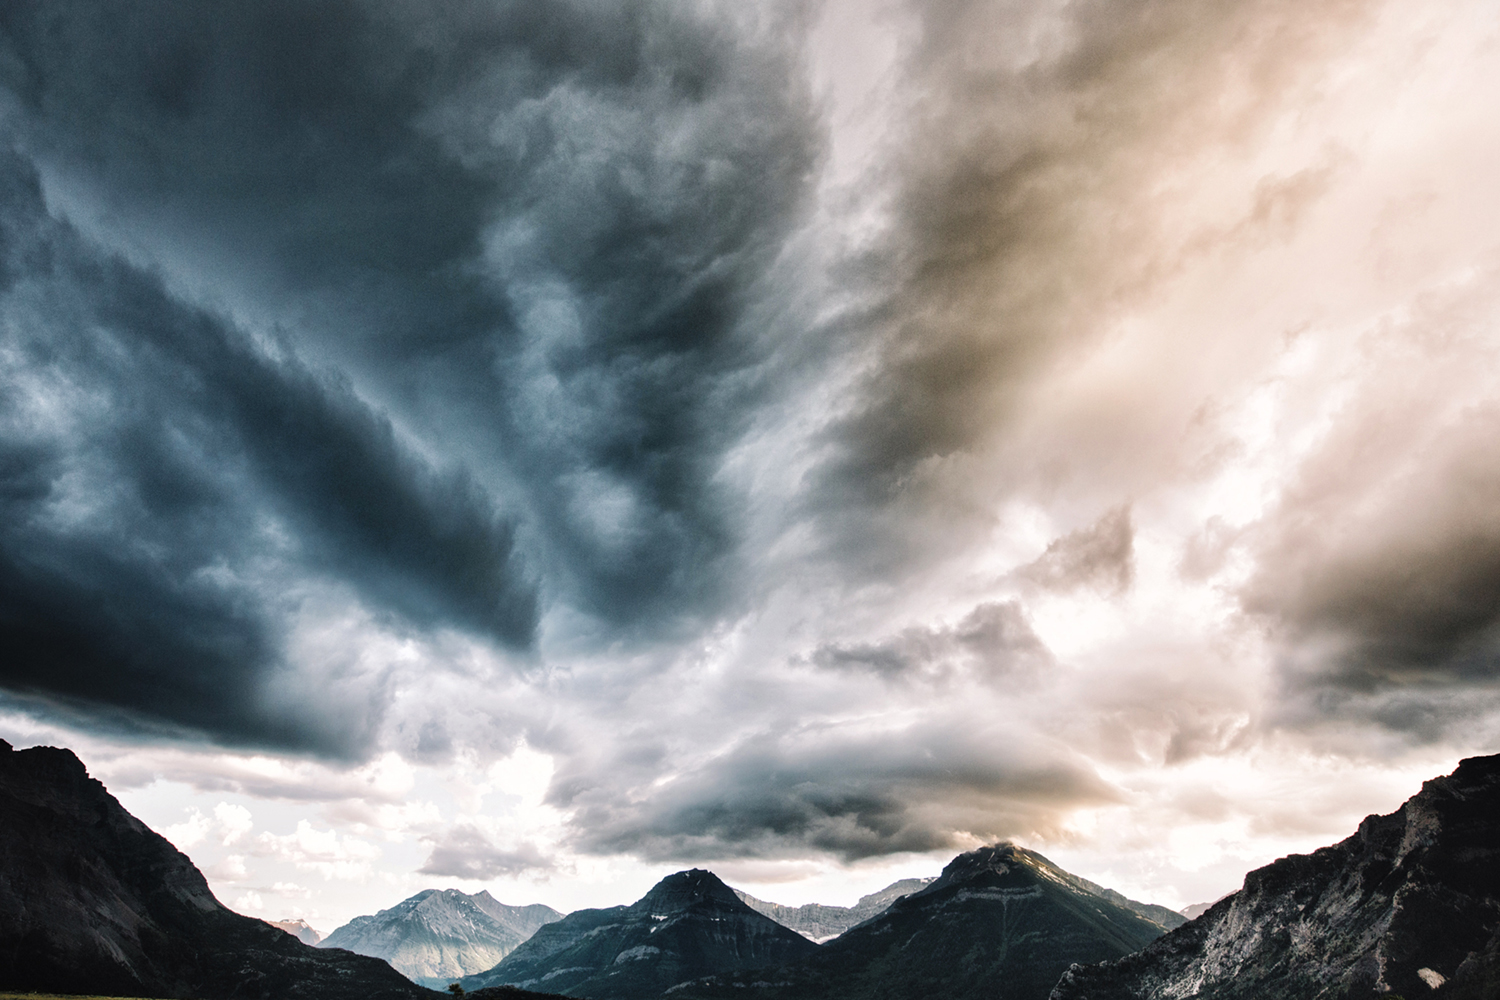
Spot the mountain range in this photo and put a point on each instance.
(1000, 923)
(688, 926)
(818, 922)
(93, 902)
(439, 936)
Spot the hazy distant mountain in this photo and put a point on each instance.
(819, 922)
(298, 929)
(1195, 910)
(1409, 906)
(688, 926)
(94, 902)
(438, 936)
(1000, 923)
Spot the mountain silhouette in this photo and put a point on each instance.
(93, 902)
(688, 926)
(1000, 923)
(1409, 906)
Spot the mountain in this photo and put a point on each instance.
(818, 922)
(93, 902)
(436, 937)
(1000, 923)
(688, 926)
(299, 930)
(1408, 906)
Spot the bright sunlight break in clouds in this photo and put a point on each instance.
(542, 446)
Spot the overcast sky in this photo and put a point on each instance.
(543, 446)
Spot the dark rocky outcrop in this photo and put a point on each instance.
(1409, 906)
(820, 922)
(439, 936)
(1001, 923)
(94, 902)
(688, 926)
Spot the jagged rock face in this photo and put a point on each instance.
(437, 937)
(688, 926)
(298, 929)
(94, 902)
(1001, 923)
(1409, 906)
(819, 923)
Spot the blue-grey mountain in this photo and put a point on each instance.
(299, 929)
(1409, 906)
(689, 925)
(437, 937)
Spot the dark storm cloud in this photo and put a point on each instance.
(1389, 619)
(853, 796)
(464, 851)
(163, 481)
(530, 229)
(991, 643)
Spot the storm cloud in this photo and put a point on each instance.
(806, 431)
(165, 481)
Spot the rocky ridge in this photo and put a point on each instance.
(819, 922)
(438, 936)
(1409, 906)
(688, 926)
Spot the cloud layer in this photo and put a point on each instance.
(818, 442)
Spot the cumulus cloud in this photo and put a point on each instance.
(326, 852)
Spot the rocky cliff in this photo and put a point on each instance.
(688, 926)
(299, 929)
(1407, 907)
(1000, 923)
(438, 936)
(819, 922)
(94, 902)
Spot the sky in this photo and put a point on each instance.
(539, 447)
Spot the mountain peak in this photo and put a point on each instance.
(998, 858)
(439, 935)
(98, 904)
(689, 925)
(684, 889)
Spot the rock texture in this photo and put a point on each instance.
(298, 929)
(1407, 907)
(688, 926)
(94, 902)
(1001, 923)
(437, 937)
(818, 922)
